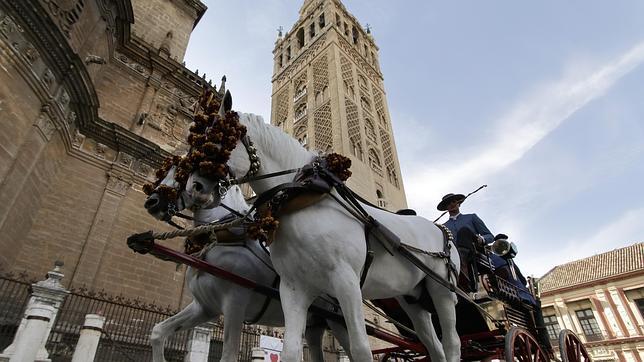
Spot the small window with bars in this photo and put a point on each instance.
(552, 326)
(589, 324)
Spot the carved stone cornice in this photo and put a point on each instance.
(75, 99)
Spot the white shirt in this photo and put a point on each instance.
(455, 216)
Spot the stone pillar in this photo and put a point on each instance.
(90, 336)
(34, 333)
(257, 354)
(199, 344)
(92, 253)
(47, 295)
(13, 183)
(342, 356)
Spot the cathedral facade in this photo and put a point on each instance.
(328, 92)
(93, 96)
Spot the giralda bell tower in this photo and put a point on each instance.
(328, 92)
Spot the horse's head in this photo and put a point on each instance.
(233, 202)
(220, 154)
(167, 198)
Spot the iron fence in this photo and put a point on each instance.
(14, 295)
(128, 325)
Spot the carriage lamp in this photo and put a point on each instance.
(504, 248)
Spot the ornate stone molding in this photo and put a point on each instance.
(131, 64)
(117, 184)
(45, 125)
(65, 18)
(125, 160)
(77, 140)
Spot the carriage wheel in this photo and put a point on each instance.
(521, 346)
(571, 348)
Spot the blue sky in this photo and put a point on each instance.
(542, 101)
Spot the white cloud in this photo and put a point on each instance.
(523, 126)
(624, 230)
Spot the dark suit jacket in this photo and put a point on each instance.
(472, 222)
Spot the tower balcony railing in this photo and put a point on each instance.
(382, 203)
(299, 95)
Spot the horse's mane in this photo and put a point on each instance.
(277, 143)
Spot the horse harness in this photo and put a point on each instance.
(315, 181)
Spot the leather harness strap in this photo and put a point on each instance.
(267, 302)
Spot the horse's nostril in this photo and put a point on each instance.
(197, 186)
(151, 202)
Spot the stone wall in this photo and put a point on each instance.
(164, 24)
(69, 189)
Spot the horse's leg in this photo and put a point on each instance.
(347, 291)
(422, 321)
(445, 303)
(340, 333)
(233, 324)
(191, 316)
(313, 335)
(295, 303)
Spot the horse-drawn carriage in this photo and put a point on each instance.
(399, 262)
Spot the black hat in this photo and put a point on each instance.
(442, 206)
(501, 236)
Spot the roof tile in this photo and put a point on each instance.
(596, 267)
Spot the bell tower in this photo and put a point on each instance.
(328, 92)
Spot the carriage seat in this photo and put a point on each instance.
(408, 212)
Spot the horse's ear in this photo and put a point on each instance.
(226, 104)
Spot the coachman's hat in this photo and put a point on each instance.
(442, 206)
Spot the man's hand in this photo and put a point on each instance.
(480, 241)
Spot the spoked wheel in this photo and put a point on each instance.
(571, 348)
(521, 346)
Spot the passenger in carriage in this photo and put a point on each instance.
(469, 231)
(502, 256)
(504, 267)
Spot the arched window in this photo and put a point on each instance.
(355, 35)
(300, 111)
(356, 148)
(370, 130)
(366, 105)
(392, 177)
(300, 90)
(301, 136)
(300, 38)
(312, 30)
(321, 95)
(362, 81)
(382, 119)
(374, 161)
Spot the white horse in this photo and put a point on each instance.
(214, 296)
(321, 250)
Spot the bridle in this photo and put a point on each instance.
(255, 163)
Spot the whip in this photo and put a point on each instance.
(466, 196)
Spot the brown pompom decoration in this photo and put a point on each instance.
(168, 192)
(196, 243)
(339, 165)
(148, 189)
(263, 229)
